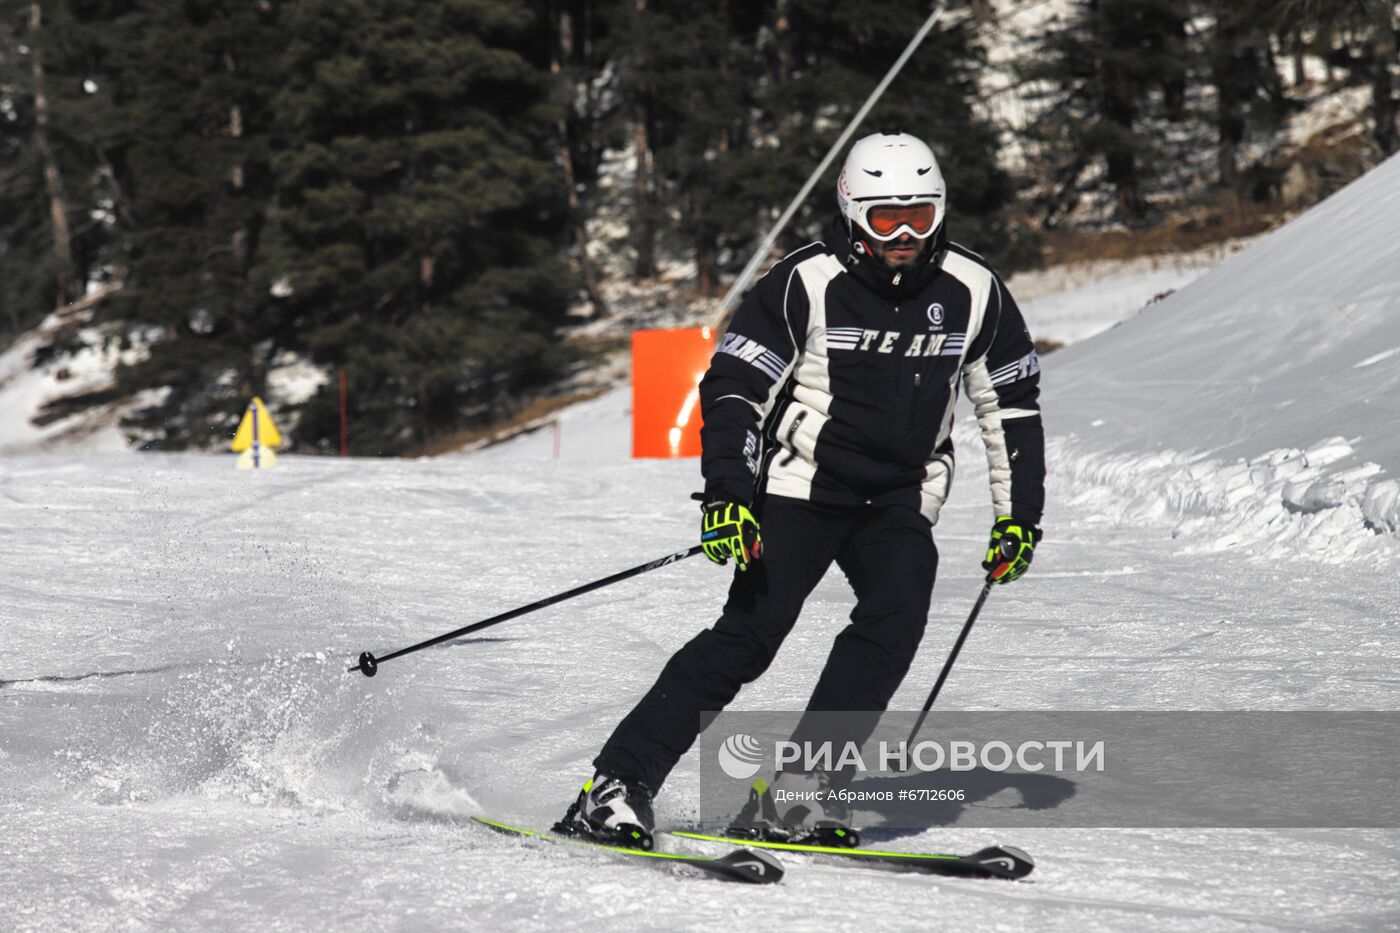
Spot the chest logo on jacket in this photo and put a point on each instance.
(865, 340)
(935, 315)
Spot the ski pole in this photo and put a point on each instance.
(369, 664)
(948, 664)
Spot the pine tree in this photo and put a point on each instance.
(28, 279)
(1248, 91)
(1370, 32)
(57, 195)
(573, 28)
(192, 91)
(842, 50)
(743, 101)
(1105, 68)
(683, 68)
(420, 217)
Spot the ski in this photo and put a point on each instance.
(1006, 862)
(740, 865)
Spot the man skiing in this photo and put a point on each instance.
(828, 415)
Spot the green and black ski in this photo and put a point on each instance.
(739, 865)
(992, 862)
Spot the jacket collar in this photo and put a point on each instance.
(879, 278)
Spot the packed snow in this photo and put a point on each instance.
(1068, 303)
(1264, 395)
(182, 746)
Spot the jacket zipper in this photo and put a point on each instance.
(911, 416)
(787, 439)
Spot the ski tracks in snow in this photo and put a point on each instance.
(243, 755)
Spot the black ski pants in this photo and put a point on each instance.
(887, 554)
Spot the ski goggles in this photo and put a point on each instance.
(885, 220)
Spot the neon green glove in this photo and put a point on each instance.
(1010, 550)
(728, 529)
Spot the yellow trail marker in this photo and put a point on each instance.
(255, 438)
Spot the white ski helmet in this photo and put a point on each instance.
(896, 176)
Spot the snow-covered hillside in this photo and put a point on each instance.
(1256, 408)
(26, 390)
(181, 745)
(1266, 394)
(1067, 303)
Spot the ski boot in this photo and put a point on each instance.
(817, 817)
(758, 819)
(613, 811)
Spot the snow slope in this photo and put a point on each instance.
(598, 429)
(1267, 391)
(1074, 301)
(181, 745)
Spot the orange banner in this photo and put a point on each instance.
(666, 369)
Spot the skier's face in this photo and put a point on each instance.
(899, 253)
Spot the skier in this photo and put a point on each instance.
(828, 417)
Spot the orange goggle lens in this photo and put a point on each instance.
(885, 219)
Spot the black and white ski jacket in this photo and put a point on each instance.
(836, 380)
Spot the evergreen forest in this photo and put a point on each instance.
(426, 195)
